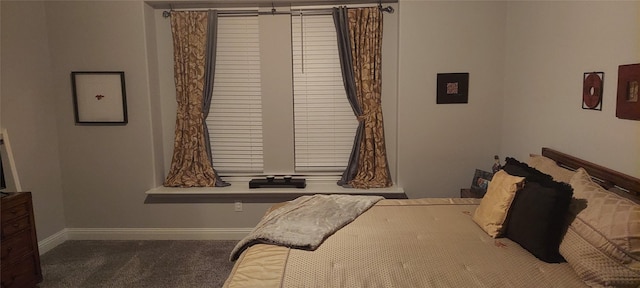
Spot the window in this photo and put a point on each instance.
(324, 124)
(323, 119)
(254, 158)
(235, 115)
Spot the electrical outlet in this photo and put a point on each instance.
(238, 206)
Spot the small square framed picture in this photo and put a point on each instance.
(99, 98)
(452, 88)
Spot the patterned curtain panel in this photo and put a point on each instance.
(190, 165)
(365, 38)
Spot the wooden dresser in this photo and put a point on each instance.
(20, 258)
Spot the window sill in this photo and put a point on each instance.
(239, 190)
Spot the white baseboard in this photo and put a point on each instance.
(157, 233)
(141, 234)
(52, 241)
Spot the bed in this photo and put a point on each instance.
(438, 242)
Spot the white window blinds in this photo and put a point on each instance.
(235, 116)
(324, 122)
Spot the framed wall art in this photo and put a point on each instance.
(480, 182)
(628, 102)
(452, 88)
(99, 98)
(592, 83)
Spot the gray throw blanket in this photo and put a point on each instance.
(305, 222)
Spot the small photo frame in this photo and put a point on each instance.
(481, 180)
(452, 88)
(628, 100)
(592, 87)
(99, 98)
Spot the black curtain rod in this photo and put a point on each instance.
(295, 12)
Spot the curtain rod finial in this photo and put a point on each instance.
(387, 9)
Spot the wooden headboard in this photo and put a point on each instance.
(604, 176)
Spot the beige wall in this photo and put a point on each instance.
(520, 99)
(155, 102)
(107, 169)
(546, 60)
(440, 145)
(29, 109)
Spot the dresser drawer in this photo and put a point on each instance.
(16, 247)
(20, 261)
(13, 212)
(20, 274)
(12, 227)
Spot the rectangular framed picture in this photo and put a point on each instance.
(99, 98)
(628, 100)
(452, 88)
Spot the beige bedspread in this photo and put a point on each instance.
(403, 243)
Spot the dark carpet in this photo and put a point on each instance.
(155, 264)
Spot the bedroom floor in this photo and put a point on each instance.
(156, 264)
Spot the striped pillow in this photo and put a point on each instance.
(602, 243)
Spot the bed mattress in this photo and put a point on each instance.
(404, 243)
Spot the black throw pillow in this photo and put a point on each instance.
(536, 218)
(517, 168)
